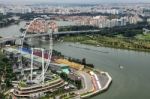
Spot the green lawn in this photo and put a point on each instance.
(143, 37)
(116, 42)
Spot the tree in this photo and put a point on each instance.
(78, 84)
(2, 96)
(84, 61)
(6, 72)
(64, 76)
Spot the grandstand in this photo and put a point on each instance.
(70, 64)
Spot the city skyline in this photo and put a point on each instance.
(72, 1)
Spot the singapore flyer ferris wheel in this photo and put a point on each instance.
(37, 28)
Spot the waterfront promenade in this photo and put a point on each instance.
(93, 81)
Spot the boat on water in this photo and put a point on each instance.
(121, 67)
(98, 45)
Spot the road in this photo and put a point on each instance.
(87, 81)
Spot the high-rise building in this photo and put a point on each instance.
(2, 11)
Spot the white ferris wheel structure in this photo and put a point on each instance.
(45, 64)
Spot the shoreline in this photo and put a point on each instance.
(137, 50)
(100, 44)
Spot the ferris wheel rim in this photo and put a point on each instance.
(49, 49)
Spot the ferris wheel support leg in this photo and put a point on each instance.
(21, 65)
(43, 71)
(31, 64)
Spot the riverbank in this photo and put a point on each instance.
(113, 42)
(8, 22)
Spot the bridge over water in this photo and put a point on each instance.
(4, 40)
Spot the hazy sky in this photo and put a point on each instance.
(74, 1)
